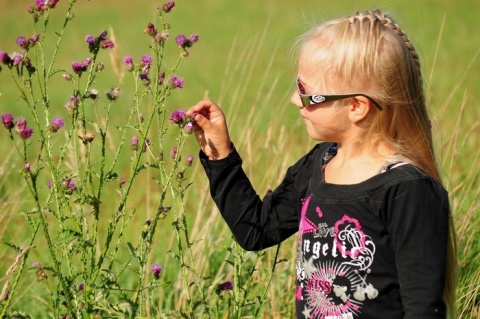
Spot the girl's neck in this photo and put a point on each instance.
(356, 162)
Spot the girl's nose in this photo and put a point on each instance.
(295, 100)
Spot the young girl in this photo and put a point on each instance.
(375, 236)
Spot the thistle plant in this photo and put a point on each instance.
(71, 165)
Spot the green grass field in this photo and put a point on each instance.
(243, 62)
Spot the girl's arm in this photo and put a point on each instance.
(418, 223)
(256, 223)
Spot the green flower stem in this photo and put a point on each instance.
(61, 203)
(262, 298)
(59, 41)
(56, 264)
(136, 101)
(6, 306)
(54, 168)
(137, 302)
(179, 224)
(121, 208)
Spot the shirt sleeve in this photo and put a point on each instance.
(256, 223)
(418, 222)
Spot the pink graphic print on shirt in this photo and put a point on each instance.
(332, 265)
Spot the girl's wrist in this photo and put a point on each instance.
(221, 152)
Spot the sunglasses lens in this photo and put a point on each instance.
(300, 87)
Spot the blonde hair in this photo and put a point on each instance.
(371, 54)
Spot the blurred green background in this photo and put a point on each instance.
(249, 42)
(445, 33)
(243, 61)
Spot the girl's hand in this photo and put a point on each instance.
(210, 128)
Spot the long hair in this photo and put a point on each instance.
(373, 55)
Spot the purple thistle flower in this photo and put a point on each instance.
(193, 38)
(17, 59)
(75, 100)
(107, 44)
(39, 4)
(134, 143)
(90, 39)
(36, 264)
(26, 132)
(21, 123)
(181, 40)
(86, 63)
(49, 184)
(151, 30)
(22, 42)
(26, 167)
(189, 127)
(156, 270)
(7, 120)
(178, 116)
(72, 105)
(128, 60)
(57, 124)
(72, 186)
(224, 286)
(189, 160)
(168, 6)
(146, 60)
(81, 287)
(227, 285)
(34, 39)
(103, 36)
(176, 82)
(51, 3)
(5, 58)
(69, 186)
(77, 67)
(161, 78)
(173, 152)
(144, 78)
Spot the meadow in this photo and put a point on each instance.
(244, 63)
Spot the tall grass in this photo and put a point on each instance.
(270, 138)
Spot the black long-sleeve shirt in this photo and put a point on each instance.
(376, 249)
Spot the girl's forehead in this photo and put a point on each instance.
(314, 58)
(316, 51)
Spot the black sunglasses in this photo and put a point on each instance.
(312, 99)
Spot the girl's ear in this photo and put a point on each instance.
(359, 109)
